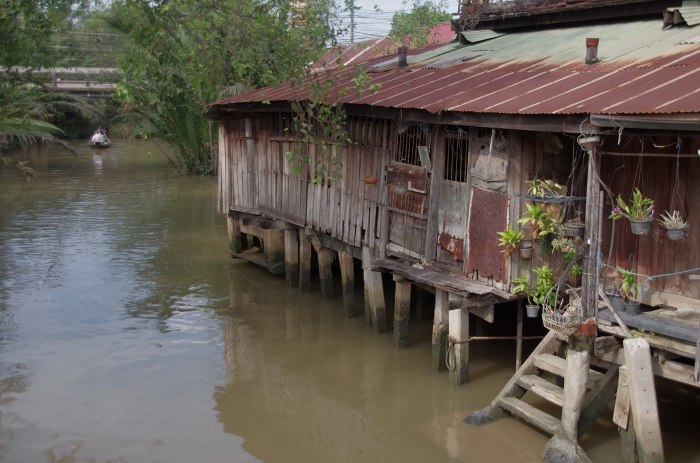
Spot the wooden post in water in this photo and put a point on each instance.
(519, 334)
(459, 331)
(347, 274)
(621, 416)
(304, 261)
(233, 226)
(645, 415)
(375, 292)
(402, 309)
(578, 360)
(273, 243)
(440, 330)
(291, 257)
(325, 270)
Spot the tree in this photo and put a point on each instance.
(183, 54)
(413, 28)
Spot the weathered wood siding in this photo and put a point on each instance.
(655, 254)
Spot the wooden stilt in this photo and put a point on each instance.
(628, 440)
(233, 226)
(347, 273)
(273, 243)
(291, 257)
(367, 277)
(375, 290)
(577, 366)
(249, 240)
(519, 334)
(304, 261)
(420, 302)
(402, 308)
(325, 272)
(459, 331)
(645, 415)
(440, 330)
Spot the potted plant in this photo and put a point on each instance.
(574, 277)
(541, 188)
(509, 239)
(542, 224)
(676, 227)
(615, 297)
(575, 227)
(537, 296)
(398, 188)
(639, 211)
(523, 286)
(628, 290)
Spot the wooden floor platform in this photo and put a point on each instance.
(660, 326)
(441, 280)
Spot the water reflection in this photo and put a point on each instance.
(97, 162)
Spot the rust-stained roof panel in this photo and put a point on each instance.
(643, 69)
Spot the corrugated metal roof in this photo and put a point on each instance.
(690, 14)
(643, 69)
(480, 36)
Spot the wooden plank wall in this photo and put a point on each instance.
(237, 171)
(654, 254)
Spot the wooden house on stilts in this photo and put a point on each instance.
(539, 115)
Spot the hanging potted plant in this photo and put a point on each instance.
(676, 227)
(509, 239)
(628, 290)
(536, 297)
(523, 287)
(574, 277)
(575, 227)
(640, 212)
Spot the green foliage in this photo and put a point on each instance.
(576, 269)
(544, 282)
(673, 220)
(628, 288)
(640, 333)
(509, 239)
(542, 224)
(543, 188)
(639, 208)
(182, 54)
(412, 28)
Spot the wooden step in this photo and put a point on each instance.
(532, 415)
(557, 365)
(542, 388)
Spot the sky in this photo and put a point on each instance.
(377, 24)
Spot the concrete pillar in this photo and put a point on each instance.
(291, 257)
(459, 331)
(375, 292)
(347, 275)
(440, 330)
(273, 243)
(233, 226)
(304, 262)
(402, 309)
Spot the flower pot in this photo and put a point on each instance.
(574, 280)
(398, 188)
(371, 180)
(616, 301)
(525, 250)
(574, 229)
(640, 227)
(632, 307)
(675, 234)
(532, 310)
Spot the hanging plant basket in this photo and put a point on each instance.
(574, 228)
(564, 320)
(640, 227)
(676, 234)
(371, 180)
(525, 250)
(398, 188)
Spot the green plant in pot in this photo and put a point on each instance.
(639, 211)
(574, 276)
(676, 227)
(615, 297)
(536, 296)
(509, 240)
(629, 291)
(536, 216)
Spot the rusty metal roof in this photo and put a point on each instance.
(643, 69)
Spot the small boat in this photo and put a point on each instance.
(98, 144)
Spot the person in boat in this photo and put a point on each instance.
(96, 137)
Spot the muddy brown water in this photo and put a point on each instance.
(127, 334)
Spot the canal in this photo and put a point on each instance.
(128, 334)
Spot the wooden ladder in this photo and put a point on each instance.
(583, 398)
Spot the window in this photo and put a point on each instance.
(408, 139)
(456, 156)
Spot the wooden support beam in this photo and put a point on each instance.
(347, 276)
(579, 349)
(402, 308)
(459, 331)
(273, 245)
(645, 415)
(696, 370)
(440, 330)
(621, 415)
(375, 290)
(304, 262)
(316, 243)
(291, 257)
(605, 344)
(519, 334)
(233, 227)
(266, 223)
(597, 400)
(252, 230)
(325, 271)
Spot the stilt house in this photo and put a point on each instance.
(600, 97)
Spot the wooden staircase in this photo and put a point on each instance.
(584, 396)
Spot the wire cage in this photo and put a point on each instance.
(563, 316)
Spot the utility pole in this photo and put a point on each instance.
(352, 8)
